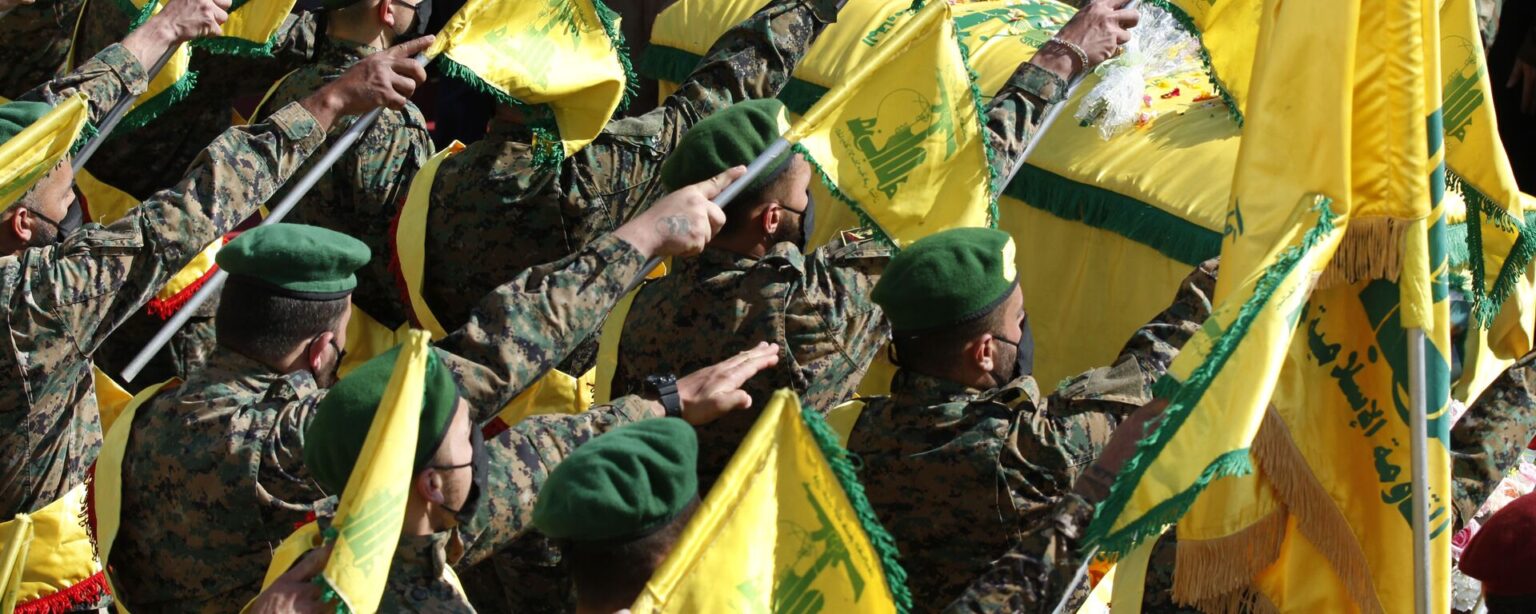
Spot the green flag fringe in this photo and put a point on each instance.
(1188, 23)
(610, 21)
(1486, 301)
(994, 192)
(548, 151)
(864, 218)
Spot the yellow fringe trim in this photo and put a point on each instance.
(1218, 571)
(1371, 249)
(1319, 520)
(1246, 600)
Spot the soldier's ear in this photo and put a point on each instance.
(429, 486)
(771, 217)
(386, 10)
(20, 224)
(981, 353)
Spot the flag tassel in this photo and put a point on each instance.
(1371, 249)
(1216, 575)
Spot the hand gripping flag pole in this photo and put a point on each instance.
(117, 113)
(290, 198)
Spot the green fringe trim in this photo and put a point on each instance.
(841, 463)
(1486, 301)
(140, 14)
(864, 217)
(547, 148)
(1169, 234)
(993, 172)
(610, 21)
(87, 132)
(150, 109)
(1166, 387)
(1232, 463)
(1188, 23)
(328, 594)
(239, 47)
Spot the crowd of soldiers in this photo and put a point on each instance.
(984, 481)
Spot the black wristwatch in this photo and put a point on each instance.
(665, 388)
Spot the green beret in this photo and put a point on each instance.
(335, 436)
(623, 485)
(16, 116)
(733, 137)
(947, 278)
(294, 260)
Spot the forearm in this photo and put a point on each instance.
(106, 78)
(1035, 573)
(527, 326)
(1013, 116)
(1156, 344)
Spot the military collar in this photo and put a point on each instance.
(913, 388)
(231, 367)
(784, 255)
(341, 53)
(423, 558)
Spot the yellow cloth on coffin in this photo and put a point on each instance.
(777, 532)
(29, 156)
(558, 53)
(556, 392)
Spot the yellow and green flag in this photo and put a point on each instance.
(785, 529)
(27, 157)
(1283, 454)
(901, 140)
(562, 62)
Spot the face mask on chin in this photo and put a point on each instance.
(479, 466)
(1024, 354)
(419, 24)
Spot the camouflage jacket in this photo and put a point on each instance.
(1014, 114)
(942, 460)
(34, 40)
(815, 307)
(61, 301)
(237, 431)
(1486, 442)
(494, 213)
(360, 195)
(418, 577)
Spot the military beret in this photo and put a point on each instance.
(947, 278)
(342, 419)
(16, 116)
(294, 260)
(623, 485)
(1503, 553)
(732, 137)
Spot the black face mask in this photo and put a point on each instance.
(419, 26)
(74, 218)
(479, 467)
(1024, 353)
(807, 223)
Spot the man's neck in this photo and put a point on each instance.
(360, 32)
(750, 247)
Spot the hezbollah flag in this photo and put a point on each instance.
(901, 140)
(785, 529)
(1310, 385)
(561, 62)
(372, 506)
(29, 156)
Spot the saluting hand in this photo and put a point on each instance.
(680, 223)
(384, 79)
(714, 391)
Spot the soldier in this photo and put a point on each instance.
(281, 330)
(358, 195)
(468, 489)
(495, 213)
(966, 444)
(754, 283)
(68, 291)
(1486, 442)
(34, 40)
(618, 505)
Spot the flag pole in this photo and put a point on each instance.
(758, 165)
(117, 113)
(290, 198)
(1419, 431)
(1077, 579)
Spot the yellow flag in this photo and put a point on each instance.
(901, 140)
(372, 506)
(252, 26)
(561, 62)
(167, 87)
(785, 529)
(31, 154)
(1298, 395)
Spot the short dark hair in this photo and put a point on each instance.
(739, 211)
(935, 352)
(267, 327)
(610, 575)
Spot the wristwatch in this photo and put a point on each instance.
(665, 388)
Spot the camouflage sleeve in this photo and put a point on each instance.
(105, 79)
(100, 275)
(1486, 442)
(1033, 575)
(527, 326)
(1044, 454)
(1127, 384)
(1014, 114)
(520, 460)
(838, 285)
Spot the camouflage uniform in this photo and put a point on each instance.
(494, 212)
(34, 40)
(251, 487)
(63, 300)
(360, 195)
(1488, 439)
(943, 460)
(815, 307)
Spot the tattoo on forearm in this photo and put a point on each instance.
(674, 226)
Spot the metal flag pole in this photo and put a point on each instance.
(1077, 578)
(1419, 430)
(290, 198)
(758, 165)
(117, 113)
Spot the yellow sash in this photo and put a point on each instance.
(46, 557)
(109, 475)
(556, 392)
